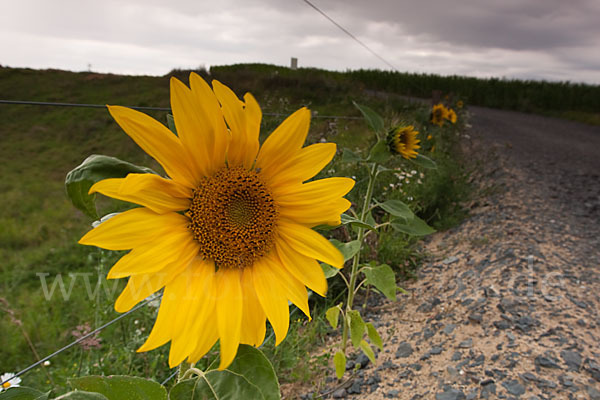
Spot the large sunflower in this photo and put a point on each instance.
(403, 140)
(228, 235)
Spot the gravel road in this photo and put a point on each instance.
(508, 306)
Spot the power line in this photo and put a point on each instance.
(87, 335)
(351, 35)
(141, 108)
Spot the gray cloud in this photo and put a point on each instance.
(544, 39)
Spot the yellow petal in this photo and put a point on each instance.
(156, 140)
(233, 110)
(306, 164)
(229, 313)
(202, 309)
(314, 193)
(253, 316)
(307, 270)
(253, 115)
(148, 190)
(175, 247)
(272, 298)
(163, 329)
(326, 213)
(295, 291)
(212, 115)
(205, 342)
(132, 228)
(308, 242)
(193, 129)
(141, 286)
(284, 143)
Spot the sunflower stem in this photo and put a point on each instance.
(184, 367)
(356, 259)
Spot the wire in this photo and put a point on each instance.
(84, 105)
(87, 335)
(351, 35)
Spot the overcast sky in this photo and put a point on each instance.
(539, 39)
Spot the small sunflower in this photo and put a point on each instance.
(228, 235)
(460, 104)
(403, 140)
(451, 115)
(438, 114)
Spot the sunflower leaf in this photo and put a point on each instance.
(94, 169)
(348, 250)
(347, 219)
(339, 360)
(328, 270)
(349, 157)
(424, 162)
(357, 327)
(23, 393)
(119, 387)
(374, 336)
(373, 119)
(81, 395)
(333, 315)
(414, 227)
(383, 278)
(379, 153)
(366, 348)
(398, 209)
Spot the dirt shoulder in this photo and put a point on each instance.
(508, 306)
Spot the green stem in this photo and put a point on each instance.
(356, 258)
(184, 367)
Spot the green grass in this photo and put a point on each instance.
(39, 228)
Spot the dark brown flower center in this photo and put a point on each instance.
(233, 217)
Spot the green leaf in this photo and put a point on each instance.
(348, 156)
(357, 327)
(339, 360)
(424, 162)
(397, 208)
(415, 227)
(23, 393)
(379, 153)
(94, 169)
(328, 270)
(119, 387)
(251, 363)
(83, 395)
(383, 278)
(374, 336)
(171, 123)
(373, 119)
(367, 350)
(216, 385)
(347, 219)
(348, 250)
(370, 220)
(333, 315)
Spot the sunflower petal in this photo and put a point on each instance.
(233, 110)
(307, 270)
(304, 165)
(148, 190)
(314, 193)
(176, 247)
(212, 115)
(131, 229)
(192, 128)
(310, 216)
(294, 289)
(229, 313)
(253, 119)
(156, 140)
(272, 299)
(284, 143)
(308, 242)
(253, 316)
